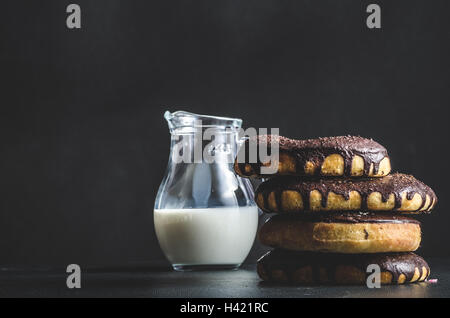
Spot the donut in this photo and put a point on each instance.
(343, 156)
(342, 232)
(307, 268)
(396, 192)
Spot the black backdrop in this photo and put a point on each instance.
(84, 144)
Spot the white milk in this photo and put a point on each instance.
(206, 236)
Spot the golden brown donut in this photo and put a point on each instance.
(350, 233)
(395, 192)
(306, 268)
(347, 156)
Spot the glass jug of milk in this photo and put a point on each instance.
(205, 216)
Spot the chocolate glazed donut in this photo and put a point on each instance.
(312, 268)
(350, 156)
(396, 192)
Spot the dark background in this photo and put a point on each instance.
(84, 144)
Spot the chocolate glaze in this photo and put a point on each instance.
(316, 150)
(344, 217)
(396, 184)
(394, 263)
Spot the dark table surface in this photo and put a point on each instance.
(150, 281)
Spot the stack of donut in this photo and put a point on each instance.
(337, 210)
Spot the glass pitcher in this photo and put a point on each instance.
(205, 216)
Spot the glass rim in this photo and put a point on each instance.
(183, 119)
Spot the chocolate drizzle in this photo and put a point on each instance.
(394, 263)
(316, 150)
(395, 184)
